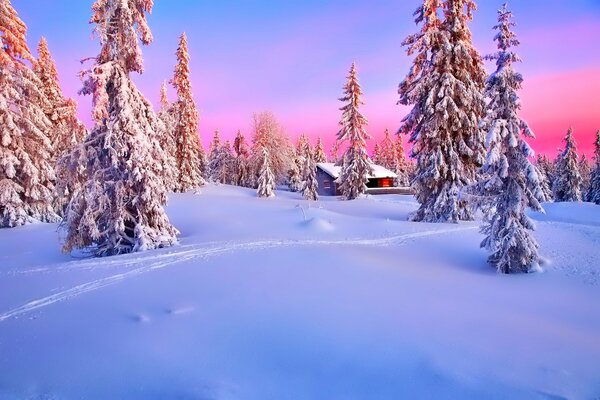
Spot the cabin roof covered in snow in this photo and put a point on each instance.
(378, 171)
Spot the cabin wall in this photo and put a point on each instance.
(327, 185)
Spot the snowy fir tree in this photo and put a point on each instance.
(67, 131)
(402, 167)
(567, 183)
(545, 182)
(593, 194)
(214, 157)
(585, 170)
(389, 152)
(295, 174)
(119, 208)
(334, 153)
(166, 137)
(268, 134)
(266, 179)
(190, 158)
(377, 154)
(511, 181)
(320, 156)
(309, 175)
(356, 165)
(219, 163)
(26, 155)
(445, 87)
(241, 164)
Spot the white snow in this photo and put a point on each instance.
(290, 299)
(378, 171)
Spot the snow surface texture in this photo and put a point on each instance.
(289, 299)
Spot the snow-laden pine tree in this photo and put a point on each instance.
(389, 152)
(402, 168)
(67, 129)
(356, 164)
(268, 134)
(334, 153)
(219, 164)
(377, 154)
(241, 163)
(593, 194)
(585, 170)
(545, 185)
(320, 156)
(214, 157)
(511, 181)
(309, 175)
(567, 182)
(445, 87)
(119, 208)
(266, 179)
(167, 138)
(26, 156)
(190, 157)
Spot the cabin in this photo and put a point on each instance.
(381, 182)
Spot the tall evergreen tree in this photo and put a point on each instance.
(377, 154)
(389, 152)
(356, 165)
(68, 130)
(190, 158)
(542, 168)
(167, 138)
(445, 86)
(593, 194)
(309, 175)
(586, 174)
(320, 156)
(26, 157)
(402, 168)
(511, 180)
(334, 153)
(567, 183)
(266, 178)
(119, 208)
(219, 160)
(241, 164)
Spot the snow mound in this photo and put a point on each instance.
(318, 224)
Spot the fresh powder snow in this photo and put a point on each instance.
(296, 299)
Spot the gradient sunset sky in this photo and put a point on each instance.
(292, 57)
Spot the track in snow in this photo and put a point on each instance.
(141, 265)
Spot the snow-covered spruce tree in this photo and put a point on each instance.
(334, 153)
(585, 170)
(377, 154)
(545, 185)
(593, 194)
(320, 156)
(356, 165)
(389, 152)
(190, 157)
(402, 168)
(166, 137)
(309, 175)
(219, 164)
(26, 157)
(266, 179)
(511, 181)
(67, 129)
(241, 164)
(214, 157)
(445, 86)
(119, 209)
(268, 134)
(567, 183)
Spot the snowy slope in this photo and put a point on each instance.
(279, 299)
